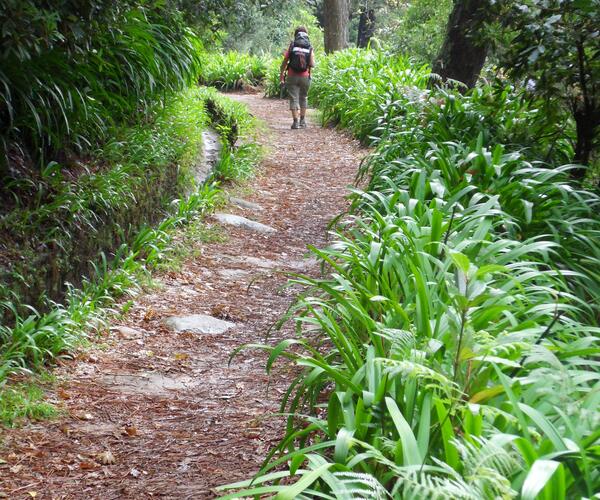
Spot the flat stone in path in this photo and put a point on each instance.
(233, 274)
(197, 323)
(149, 383)
(239, 202)
(239, 221)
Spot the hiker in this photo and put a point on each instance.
(298, 60)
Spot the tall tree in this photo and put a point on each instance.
(335, 18)
(464, 49)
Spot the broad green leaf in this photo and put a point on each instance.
(538, 476)
(291, 492)
(410, 448)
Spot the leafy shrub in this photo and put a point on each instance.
(267, 28)
(353, 86)
(232, 71)
(68, 76)
(415, 28)
(451, 351)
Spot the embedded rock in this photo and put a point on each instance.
(197, 323)
(239, 202)
(239, 221)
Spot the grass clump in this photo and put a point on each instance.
(24, 401)
(451, 350)
(232, 70)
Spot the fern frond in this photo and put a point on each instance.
(487, 464)
(412, 370)
(417, 486)
(360, 487)
(402, 341)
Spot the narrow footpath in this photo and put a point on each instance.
(153, 410)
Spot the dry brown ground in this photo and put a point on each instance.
(176, 418)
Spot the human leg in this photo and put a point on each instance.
(293, 89)
(304, 85)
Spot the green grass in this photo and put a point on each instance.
(22, 402)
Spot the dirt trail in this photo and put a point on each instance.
(175, 417)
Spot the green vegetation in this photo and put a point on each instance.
(129, 181)
(232, 71)
(127, 58)
(266, 28)
(451, 347)
(29, 338)
(413, 28)
(451, 350)
(25, 401)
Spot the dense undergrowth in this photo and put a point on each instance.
(68, 222)
(232, 70)
(91, 209)
(452, 349)
(71, 73)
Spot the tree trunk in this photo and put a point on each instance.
(586, 113)
(366, 28)
(463, 52)
(586, 122)
(335, 16)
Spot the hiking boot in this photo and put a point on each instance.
(295, 125)
(302, 123)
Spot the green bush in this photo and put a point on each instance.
(232, 71)
(353, 86)
(71, 73)
(451, 351)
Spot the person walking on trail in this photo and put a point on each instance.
(298, 60)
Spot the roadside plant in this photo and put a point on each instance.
(450, 348)
(232, 70)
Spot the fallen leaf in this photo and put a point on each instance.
(106, 458)
(150, 313)
(32, 494)
(15, 469)
(134, 473)
(181, 356)
(62, 394)
(130, 430)
(88, 465)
